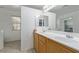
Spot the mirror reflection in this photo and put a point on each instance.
(43, 21)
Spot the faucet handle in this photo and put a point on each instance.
(69, 36)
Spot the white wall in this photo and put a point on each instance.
(27, 26)
(1, 40)
(28, 16)
(6, 25)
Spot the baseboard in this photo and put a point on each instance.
(26, 49)
(11, 41)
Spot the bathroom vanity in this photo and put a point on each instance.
(47, 42)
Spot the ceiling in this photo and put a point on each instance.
(40, 7)
(65, 9)
(59, 9)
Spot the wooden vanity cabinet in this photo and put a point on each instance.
(55, 47)
(42, 45)
(36, 42)
(46, 45)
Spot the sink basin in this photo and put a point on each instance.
(53, 34)
(60, 35)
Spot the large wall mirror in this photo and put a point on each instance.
(43, 21)
(68, 24)
(65, 24)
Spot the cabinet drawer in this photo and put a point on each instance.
(35, 36)
(41, 43)
(42, 39)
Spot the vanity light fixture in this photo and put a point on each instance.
(46, 8)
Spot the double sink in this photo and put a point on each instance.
(62, 37)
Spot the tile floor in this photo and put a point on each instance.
(14, 47)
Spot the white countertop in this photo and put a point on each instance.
(61, 38)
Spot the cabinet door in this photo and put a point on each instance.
(54, 47)
(36, 42)
(42, 47)
(42, 44)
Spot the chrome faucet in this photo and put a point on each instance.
(69, 36)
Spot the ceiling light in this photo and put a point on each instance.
(48, 7)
